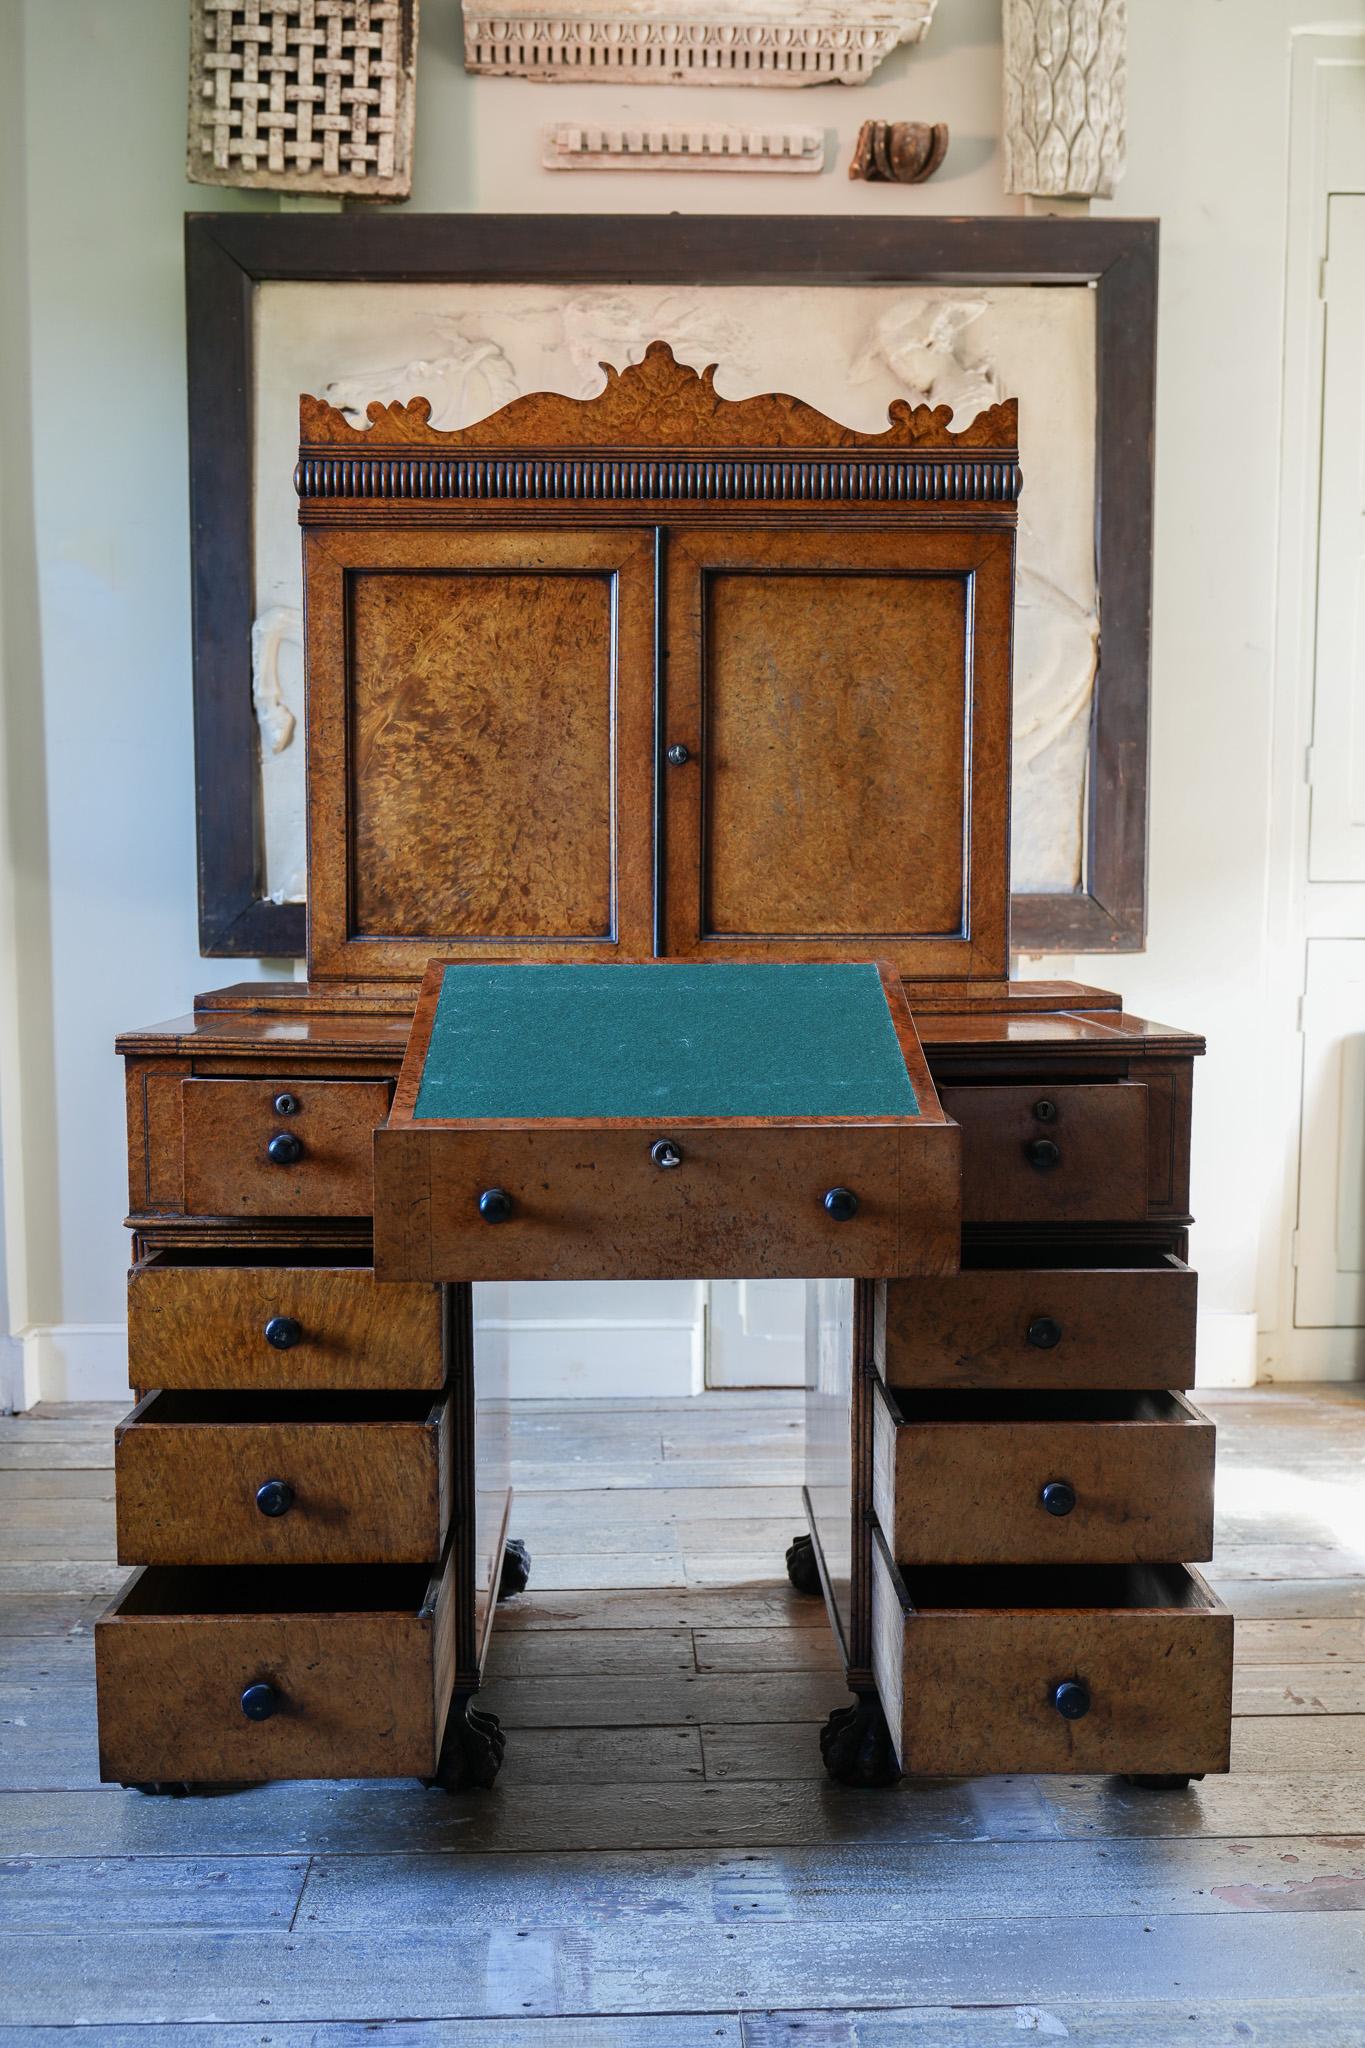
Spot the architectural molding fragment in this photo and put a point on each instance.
(691, 42)
(310, 96)
(701, 146)
(1065, 93)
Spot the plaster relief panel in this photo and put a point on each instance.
(849, 351)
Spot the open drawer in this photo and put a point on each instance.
(229, 1676)
(1091, 1668)
(642, 1122)
(1074, 1315)
(1036, 1478)
(300, 1319)
(217, 1479)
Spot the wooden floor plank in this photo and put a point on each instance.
(72, 1894)
(641, 2030)
(1299, 1689)
(766, 1649)
(774, 1605)
(1233, 2023)
(1322, 1742)
(895, 1885)
(509, 1971)
(1289, 1641)
(603, 1756)
(659, 1700)
(599, 1652)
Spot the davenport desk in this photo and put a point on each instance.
(677, 727)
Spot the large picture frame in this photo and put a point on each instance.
(228, 255)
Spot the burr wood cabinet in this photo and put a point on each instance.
(660, 702)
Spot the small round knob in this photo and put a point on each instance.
(1071, 1699)
(1045, 1109)
(665, 1153)
(286, 1104)
(679, 755)
(1044, 1333)
(276, 1497)
(285, 1149)
(495, 1205)
(259, 1702)
(283, 1332)
(841, 1204)
(1042, 1154)
(1058, 1497)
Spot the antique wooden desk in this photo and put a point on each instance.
(702, 696)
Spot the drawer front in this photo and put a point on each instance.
(974, 1691)
(357, 1693)
(330, 1326)
(593, 1204)
(197, 1482)
(1132, 1485)
(321, 1133)
(1063, 1326)
(1052, 1153)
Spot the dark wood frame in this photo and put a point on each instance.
(227, 255)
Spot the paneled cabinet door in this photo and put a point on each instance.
(481, 707)
(834, 739)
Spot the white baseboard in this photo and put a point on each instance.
(559, 1359)
(1288, 1355)
(1225, 1350)
(73, 1362)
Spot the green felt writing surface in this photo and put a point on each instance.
(726, 1041)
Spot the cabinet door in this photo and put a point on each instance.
(843, 700)
(481, 719)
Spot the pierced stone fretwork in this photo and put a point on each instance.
(303, 95)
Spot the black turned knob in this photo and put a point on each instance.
(1042, 1154)
(283, 1332)
(841, 1204)
(1045, 1110)
(1044, 1333)
(495, 1205)
(1071, 1699)
(1058, 1497)
(665, 1153)
(259, 1702)
(285, 1149)
(286, 1104)
(276, 1497)
(679, 755)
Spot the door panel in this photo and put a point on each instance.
(830, 691)
(517, 669)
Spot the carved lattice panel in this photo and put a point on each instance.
(303, 95)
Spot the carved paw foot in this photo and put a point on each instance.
(516, 1568)
(472, 1752)
(802, 1569)
(855, 1743)
(1164, 1781)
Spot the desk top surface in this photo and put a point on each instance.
(729, 1040)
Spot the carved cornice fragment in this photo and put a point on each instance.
(691, 42)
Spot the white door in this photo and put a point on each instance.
(756, 1333)
(1329, 1248)
(1337, 769)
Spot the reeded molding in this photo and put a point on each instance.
(691, 42)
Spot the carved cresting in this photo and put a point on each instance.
(664, 432)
